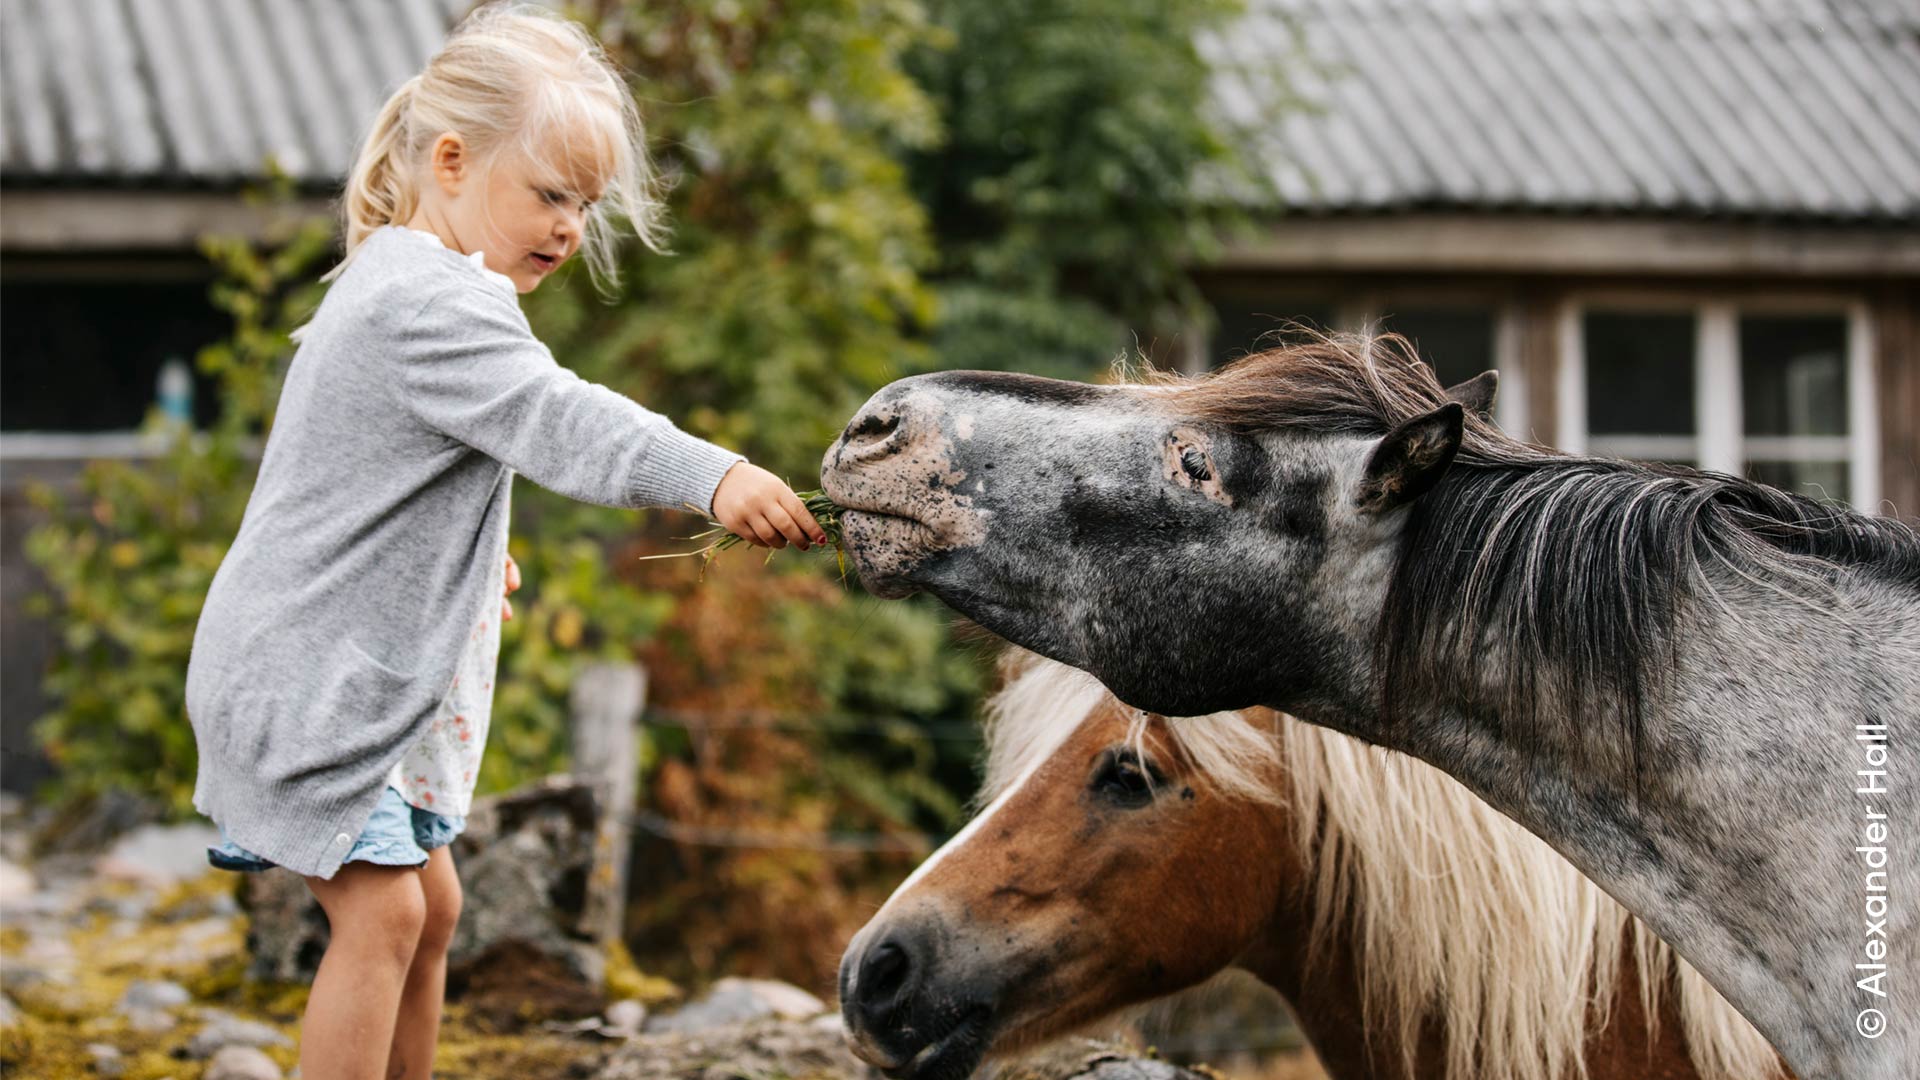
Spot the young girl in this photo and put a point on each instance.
(342, 668)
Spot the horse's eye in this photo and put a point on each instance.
(1124, 780)
(1195, 463)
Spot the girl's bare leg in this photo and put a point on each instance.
(418, 1031)
(376, 914)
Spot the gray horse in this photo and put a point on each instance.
(1701, 690)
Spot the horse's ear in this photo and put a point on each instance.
(1411, 459)
(1476, 394)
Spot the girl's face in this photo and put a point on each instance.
(528, 219)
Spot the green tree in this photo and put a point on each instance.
(1071, 195)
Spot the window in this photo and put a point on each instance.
(1245, 323)
(86, 356)
(1780, 395)
(1457, 341)
(1793, 401)
(1640, 385)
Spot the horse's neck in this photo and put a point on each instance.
(1325, 990)
(1736, 841)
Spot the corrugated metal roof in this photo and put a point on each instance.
(200, 92)
(1802, 108)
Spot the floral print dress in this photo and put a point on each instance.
(438, 771)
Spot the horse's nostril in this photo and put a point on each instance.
(887, 969)
(884, 976)
(873, 426)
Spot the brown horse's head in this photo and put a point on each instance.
(1109, 870)
(1416, 931)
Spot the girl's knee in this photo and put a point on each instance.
(442, 915)
(443, 901)
(379, 913)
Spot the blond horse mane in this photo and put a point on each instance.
(1466, 915)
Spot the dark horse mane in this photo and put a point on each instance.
(1579, 567)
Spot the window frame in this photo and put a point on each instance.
(1719, 424)
(1363, 311)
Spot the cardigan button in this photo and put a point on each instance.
(342, 840)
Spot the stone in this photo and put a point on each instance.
(16, 882)
(201, 942)
(9, 1012)
(160, 855)
(153, 994)
(223, 1029)
(760, 1048)
(286, 929)
(524, 948)
(735, 1001)
(95, 824)
(106, 1059)
(624, 1018)
(241, 1063)
(150, 1021)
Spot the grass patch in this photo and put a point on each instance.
(718, 538)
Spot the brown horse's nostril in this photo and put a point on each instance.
(886, 976)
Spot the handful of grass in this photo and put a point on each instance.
(717, 538)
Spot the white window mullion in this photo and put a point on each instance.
(1863, 419)
(1571, 393)
(1510, 407)
(1716, 393)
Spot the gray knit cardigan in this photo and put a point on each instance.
(332, 628)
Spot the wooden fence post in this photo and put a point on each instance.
(606, 702)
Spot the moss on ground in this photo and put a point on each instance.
(181, 942)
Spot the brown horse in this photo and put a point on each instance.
(1415, 931)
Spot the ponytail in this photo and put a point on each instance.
(378, 190)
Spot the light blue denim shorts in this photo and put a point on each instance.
(396, 835)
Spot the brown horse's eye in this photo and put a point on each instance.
(1124, 780)
(1195, 463)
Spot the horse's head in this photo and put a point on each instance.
(1184, 542)
(1111, 870)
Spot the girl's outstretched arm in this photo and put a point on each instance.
(470, 368)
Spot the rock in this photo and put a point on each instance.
(527, 854)
(16, 882)
(150, 1021)
(762, 1048)
(106, 1059)
(160, 855)
(735, 1001)
(124, 908)
(624, 1018)
(1090, 1059)
(241, 1063)
(523, 949)
(9, 1012)
(153, 994)
(94, 825)
(219, 905)
(201, 942)
(286, 930)
(227, 1030)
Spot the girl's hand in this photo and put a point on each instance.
(513, 582)
(755, 506)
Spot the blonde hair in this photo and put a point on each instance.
(511, 77)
